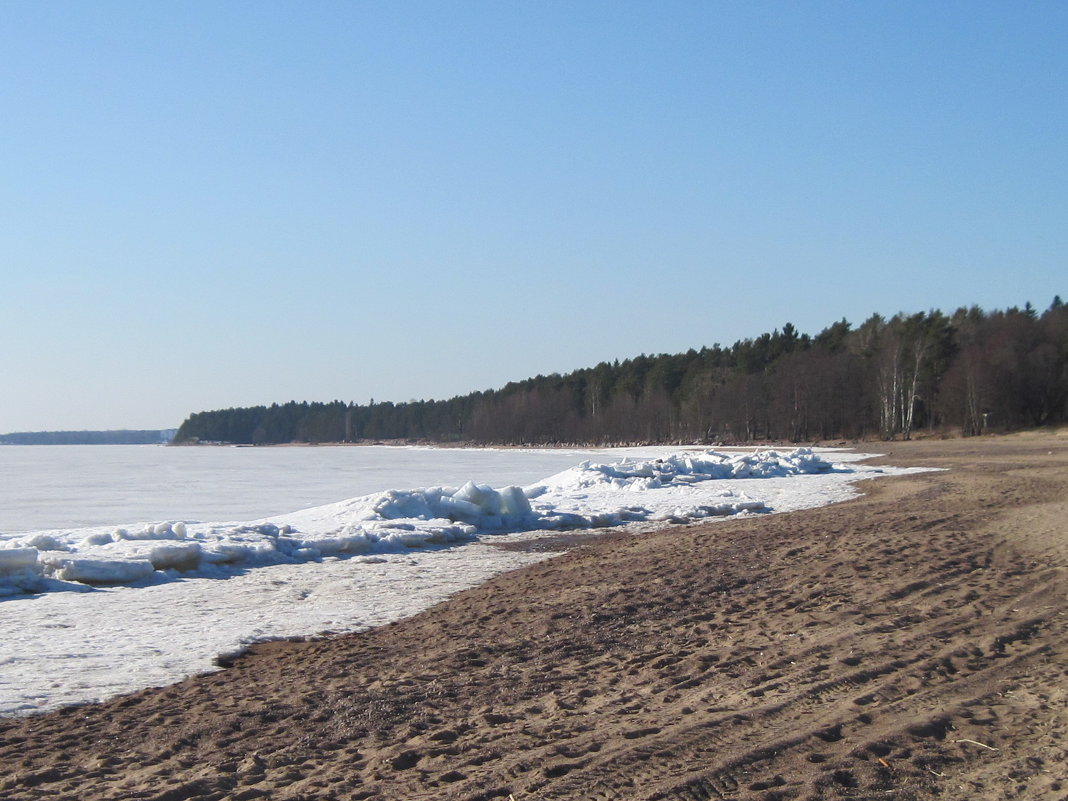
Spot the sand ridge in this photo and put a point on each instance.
(909, 644)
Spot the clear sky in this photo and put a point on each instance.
(213, 204)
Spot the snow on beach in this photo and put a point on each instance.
(586, 496)
(115, 609)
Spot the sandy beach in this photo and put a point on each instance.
(909, 644)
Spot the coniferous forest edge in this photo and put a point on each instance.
(969, 372)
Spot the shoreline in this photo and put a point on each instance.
(205, 618)
(859, 443)
(844, 651)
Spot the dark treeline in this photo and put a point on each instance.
(972, 371)
(119, 437)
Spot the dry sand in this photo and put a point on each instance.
(909, 644)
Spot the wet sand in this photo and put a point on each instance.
(909, 644)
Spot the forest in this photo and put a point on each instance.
(967, 373)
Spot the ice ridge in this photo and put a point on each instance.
(589, 495)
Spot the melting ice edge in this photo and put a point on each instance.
(589, 495)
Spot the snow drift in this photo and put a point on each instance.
(588, 495)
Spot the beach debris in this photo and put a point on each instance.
(975, 742)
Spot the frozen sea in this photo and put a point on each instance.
(123, 567)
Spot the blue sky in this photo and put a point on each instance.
(212, 204)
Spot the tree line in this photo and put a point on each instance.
(115, 437)
(971, 371)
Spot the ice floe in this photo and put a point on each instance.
(589, 495)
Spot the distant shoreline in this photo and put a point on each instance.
(123, 436)
(942, 435)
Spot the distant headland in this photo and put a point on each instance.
(155, 436)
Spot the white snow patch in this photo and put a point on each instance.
(590, 495)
